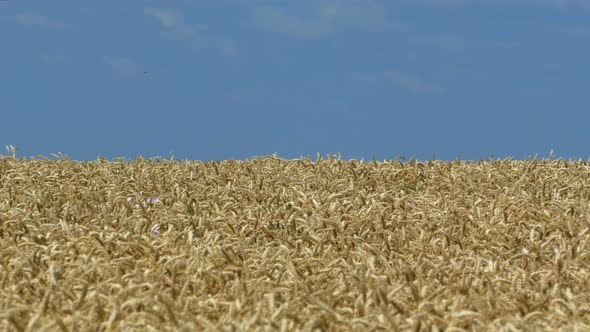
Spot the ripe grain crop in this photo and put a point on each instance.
(278, 245)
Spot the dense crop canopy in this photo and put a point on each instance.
(274, 244)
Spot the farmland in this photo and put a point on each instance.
(274, 244)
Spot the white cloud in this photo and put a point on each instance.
(275, 19)
(562, 4)
(328, 17)
(366, 15)
(446, 41)
(575, 30)
(408, 82)
(174, 20)
(54, 57)
(36, 19)
(168, 18)
(197, 36)
(412, 84)
(124, 67)
(458, 42)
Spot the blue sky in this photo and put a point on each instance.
(229, 79)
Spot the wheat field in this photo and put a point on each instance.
(270, 244)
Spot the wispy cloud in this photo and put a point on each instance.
(124, 67)
(36, 19)
(458, 41)
(446, 41)
(54, 57)
(174, 20)
(327, 18)
(412, 83)
(408, 82)
(274, 18)
(198, 36)
(575, 30)
(561, 4)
